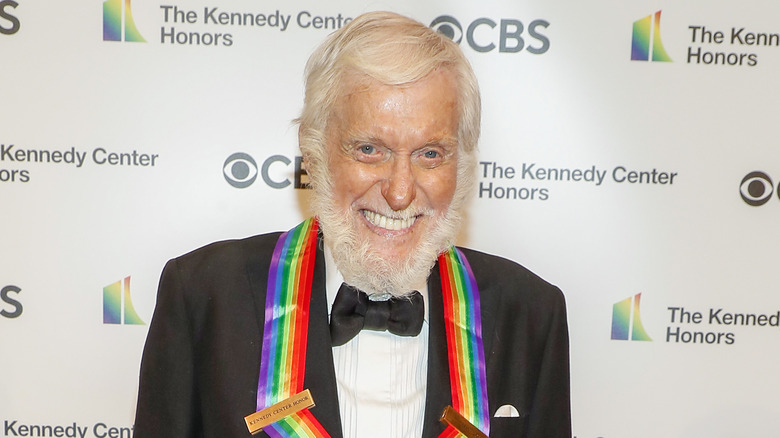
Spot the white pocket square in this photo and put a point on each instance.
(507, 411)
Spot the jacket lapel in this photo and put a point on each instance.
(320, 377)
(320, 372)
(438, 391)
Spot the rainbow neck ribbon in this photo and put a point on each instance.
(285, 334)
(463, 322)
(286, 330)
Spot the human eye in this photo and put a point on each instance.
(430, 157)
(367, 149)
(368, 152)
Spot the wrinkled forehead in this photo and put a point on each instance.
(355, 84)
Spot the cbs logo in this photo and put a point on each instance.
(756, 188)
(240, 171)
(481, 35)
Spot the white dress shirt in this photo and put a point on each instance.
(381, 377)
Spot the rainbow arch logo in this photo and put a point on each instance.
(117, 305)
(646, 40)
(118, 23)
(626, 322)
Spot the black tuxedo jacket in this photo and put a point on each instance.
(202, 356)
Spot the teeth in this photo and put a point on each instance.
(388, 223)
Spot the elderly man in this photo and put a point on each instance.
(364, 321)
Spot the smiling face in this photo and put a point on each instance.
(393, 156)
(393, 164)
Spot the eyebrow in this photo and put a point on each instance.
(447, 142)
(357, 138)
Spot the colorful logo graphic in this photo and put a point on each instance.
(646, 41)
(118, 23)
(626, 323)
(117, 305)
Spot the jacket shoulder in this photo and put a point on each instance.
(218, 270)
(512, 281)
(226, 253)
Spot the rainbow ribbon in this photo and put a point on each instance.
(285, 333)
(468, 382)
(283, 360)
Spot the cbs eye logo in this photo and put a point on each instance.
(756, 188)
(449, 27)
(240, 170)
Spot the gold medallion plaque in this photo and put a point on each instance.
(260, 419)
(453, 418)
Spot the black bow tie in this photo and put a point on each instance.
(352, 311)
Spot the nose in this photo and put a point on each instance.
(399, 187)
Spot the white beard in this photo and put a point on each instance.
(367, 268)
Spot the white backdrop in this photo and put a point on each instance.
(70, 228)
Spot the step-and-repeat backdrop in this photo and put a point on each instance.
(629, 155)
